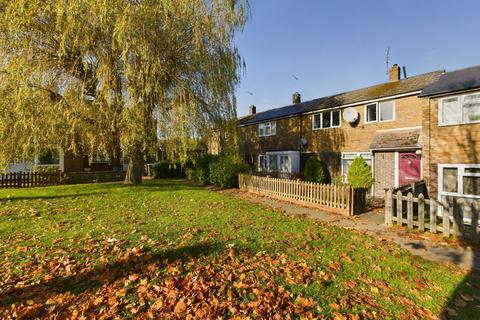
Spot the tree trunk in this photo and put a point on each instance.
(135, 169)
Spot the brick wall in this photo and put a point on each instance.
(457, 144)
(286, 138)
(332, 141)
(384, 172)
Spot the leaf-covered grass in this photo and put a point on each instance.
(168, 249)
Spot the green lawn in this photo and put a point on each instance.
(168, 249)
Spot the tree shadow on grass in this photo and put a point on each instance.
(102, 275)
(464, 303)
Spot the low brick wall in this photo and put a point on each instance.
(93, 177)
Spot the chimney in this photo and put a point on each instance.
(394, 73)
(252, 109)
(296, 98)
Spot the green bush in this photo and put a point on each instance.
(168, 170)
(313, 171)
(224, 171)
(360, 174)
(200, 173)
(46, 168)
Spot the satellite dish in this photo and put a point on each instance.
(350, 115)
(303, 142)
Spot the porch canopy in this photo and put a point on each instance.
(397, 139)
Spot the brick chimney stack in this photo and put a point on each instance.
(394, 73)
(296, 98)
(252, 109)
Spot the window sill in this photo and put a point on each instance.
(447, 194)
(317, 129)
(457, 124)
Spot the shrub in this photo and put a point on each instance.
(360, 174)
(168, 170)
(313, 171)
(200, 172)
(224, 171)
(46, 168)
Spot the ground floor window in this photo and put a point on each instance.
(278, 161)
(459, 180)
(274, 163)
(347, 159)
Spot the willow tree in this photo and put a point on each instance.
(103, 77)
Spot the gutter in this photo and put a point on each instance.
(411, 93)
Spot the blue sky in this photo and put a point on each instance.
(336, 46)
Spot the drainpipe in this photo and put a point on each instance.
(299, 140)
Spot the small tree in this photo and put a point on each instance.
(313, 171)
(360, 174)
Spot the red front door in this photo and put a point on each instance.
(409, 168)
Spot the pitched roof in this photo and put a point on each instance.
(458, 80)
(398, 139)
(383, 90)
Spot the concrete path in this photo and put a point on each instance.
(372, 223)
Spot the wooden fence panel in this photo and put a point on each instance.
(29, 179)
(443, 217)
(329, 197)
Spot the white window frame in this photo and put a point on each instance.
(321, 114)
(357, 154)
(461, 173)
(461, 99)
(273, 128)
(278, 154)
(377, 108)
(260, 169)
(365, 112)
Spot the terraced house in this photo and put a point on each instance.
(393, 126)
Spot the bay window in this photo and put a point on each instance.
(279, 161)
(459, 109)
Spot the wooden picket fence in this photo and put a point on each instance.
(340, 199)
(433, 215)
(29, 179)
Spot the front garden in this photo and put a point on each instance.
(168, 249)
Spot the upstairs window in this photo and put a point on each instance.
(459, 110)
(386, 110)
(371, 112)
(267, 129)
(380, 111)
(324, 120)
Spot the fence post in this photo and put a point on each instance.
(458, 219)
(433, 216)
(388, 207)
(475, 216)
(410, 210)
(447, 211)
(348, 203)
(399, 208)
(421, 212)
